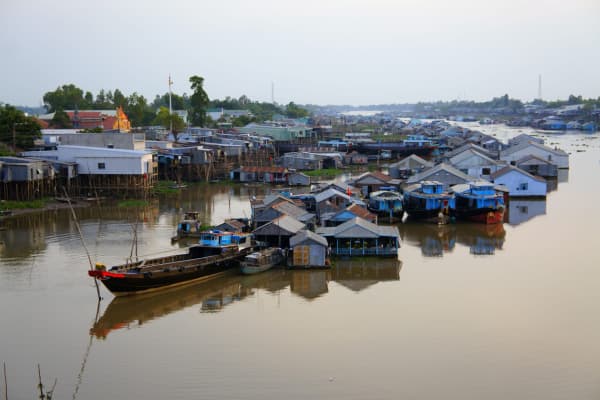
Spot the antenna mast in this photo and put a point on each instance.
(170, 105)
(273, 92)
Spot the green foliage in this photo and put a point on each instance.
(293, 111)
(92, 130)
(199, 102)
(20, 205)
(328, 172)
(67, 97)
(243, 120)
(164, 187)
(138, 111)
(177, 102)
(15, 124)
(61, 119)
(166, 119)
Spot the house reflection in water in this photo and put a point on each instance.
(520, 211)
(358, 275)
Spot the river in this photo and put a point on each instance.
(467, 312)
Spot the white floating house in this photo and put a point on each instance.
(520, 183)
(555, 156)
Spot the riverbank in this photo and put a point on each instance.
(49, 205)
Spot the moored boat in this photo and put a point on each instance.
(386, 203)
(479, 202)
(216, 253)
(428, 200)
(189, 226)
(262, 260)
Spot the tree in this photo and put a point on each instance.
(119, 99)
(199, 102)
(138, 111)
(16, 129)
(177, 102)
(61, 119)
(165, 119)
(67, 97)
(293, 111)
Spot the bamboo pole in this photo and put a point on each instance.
(82, 241)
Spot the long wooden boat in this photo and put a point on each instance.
(216, 253)
(262, 260)
(479, 202)
(428, 200)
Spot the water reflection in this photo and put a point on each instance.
(30, 234)
(215, 295)
(520, 211)
(436, 240)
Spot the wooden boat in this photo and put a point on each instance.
(428, 200)
(189, 226)
(386, 203)
(479, 202)
(262, 260)
(216, 253)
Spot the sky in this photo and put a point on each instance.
(309, 51)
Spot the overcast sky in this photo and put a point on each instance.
(314, 51)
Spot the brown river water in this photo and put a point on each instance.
(466, 312)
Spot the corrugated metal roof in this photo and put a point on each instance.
(524, 145)
(305, 235)
(284, 222)
(358, 228)
(510, 168)
(440, 167)
(319, 197)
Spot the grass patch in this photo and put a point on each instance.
(19, 205)
(133, 203)
(329, 172)
(164, 187)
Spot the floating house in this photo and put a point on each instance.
(308, 250)
(279, 231)
(524, 138)
(276, 175)
(537, 166)
(556, 156)
(374, 181)
(358, 237)
(311, 161)
(476, 164)
(351, 212)
(408, 166)
(443, 173)
(298, 179)
(280, 208)
(520, 183)
(233, 225)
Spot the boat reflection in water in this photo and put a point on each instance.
(436, 240)
(215, 295)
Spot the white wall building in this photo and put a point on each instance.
(520, 183)
(555, 156)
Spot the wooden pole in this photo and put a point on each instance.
(5, 384)
(82, 241)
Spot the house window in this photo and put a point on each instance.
(523, 186)
(485, 171)
(111, 146)
(101, 165)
